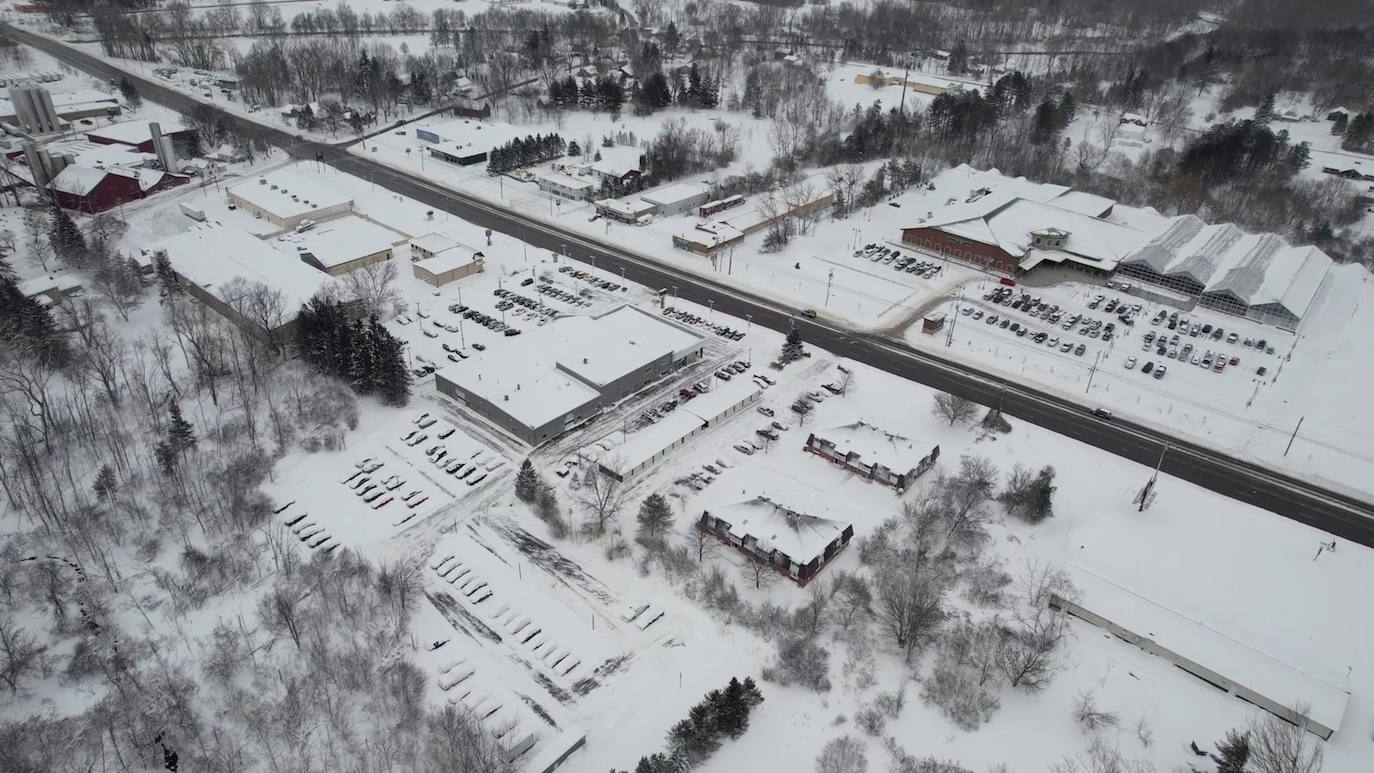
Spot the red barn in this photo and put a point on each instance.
(96, 190)
(137, 134)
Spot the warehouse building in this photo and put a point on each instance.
(448, 266)
(556, 377)
(344, 244)
(678, 198)
(643, 449)
(221, 267)
(286, 199)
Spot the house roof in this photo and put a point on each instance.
(434, 242)
(773, 526)
(873, 445)
(78, 180)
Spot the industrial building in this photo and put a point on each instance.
(344, 244)
(627, 210)
(69, 106)
(448, 266)
(1221, 661)
(795, 544)
(221, 266)
(34, 109)
(286, 199)
(677, 198)
(553, 378)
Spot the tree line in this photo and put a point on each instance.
(333, 340)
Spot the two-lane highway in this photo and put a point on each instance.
(1339, 513)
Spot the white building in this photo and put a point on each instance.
(565, 186)
(342, 245)
(286, 199)
(678, 198)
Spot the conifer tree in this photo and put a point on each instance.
(655, 517)
(1232, 753)
(67, 241)
(527, 482)
(180, 435)
(1265, 112)
(166, 277)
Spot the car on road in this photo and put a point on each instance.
(1102, 413)
(809, 313)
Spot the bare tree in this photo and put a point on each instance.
(701, 542)
(201, 335)
(954, 409)
(20, 654)
(36, 235)
(910, 602)
(1088, 716)
(455, 741)
(854, 598)
(1029, 641)
(280, 609)
(812, 616)
(757, 570)
(1280, 746)
(101, 353)
(602, 496)
(842, 755)
(374, 286)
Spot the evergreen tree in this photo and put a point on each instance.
(526, 482)
(1232, 753)
(180, 435)
(655, 94)
(1040, 500)
(1265, 112)
(1300, 156)
(393, 377)
(958, 58)
(573, 149)
(694, 738)
(130, 93)
(25, 321)
(104, 482)
(1068, 109)
(1339, 123)
(792, 346)
(1045, 124)
(7, 273)
(166, 457)
(732, 709)
(655, 517)
(67, 242)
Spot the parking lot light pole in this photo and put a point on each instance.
(749, 321)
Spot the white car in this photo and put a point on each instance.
(1130, 363)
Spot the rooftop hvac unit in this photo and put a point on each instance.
(263, 181)
(274, 186)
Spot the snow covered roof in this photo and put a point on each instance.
(632, 322)
(589, 353)
(647, 443)
(446, 261)
(285, 194)
(50, 283)
(873, 445)
(1083, 203)
(211, 256)
(147, 178)
(797, 535)
(566, 181)
(135, 132)
(434, 243)
(616, 161)
(676, 193)
(520, 380)
(1256, 269)
(77, 180)
(629, 207)
(723, 396)
(341, 241)
(710, 235)
(1195, 640)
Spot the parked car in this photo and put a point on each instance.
(765, 410)
(1130, 363)
(1160, 371)
(1147, 367)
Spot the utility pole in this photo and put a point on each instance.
(828, 279)
(906, 74)
(1294, 436)
(1093, 372)
(1146, 494)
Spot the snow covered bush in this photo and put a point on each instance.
(800, 661)
(842, 755)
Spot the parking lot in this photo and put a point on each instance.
(898, 261)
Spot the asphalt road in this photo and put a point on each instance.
(1337, 513)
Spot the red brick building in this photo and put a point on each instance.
(966, 250)
(96, 190)
(138, 136)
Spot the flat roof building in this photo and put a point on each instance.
(641, 450)
(448, 266)
(220, 266)
(677, 198)
(342, 245)
(565, 185)
(553, 378)
(627, 210)
(285, 199)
